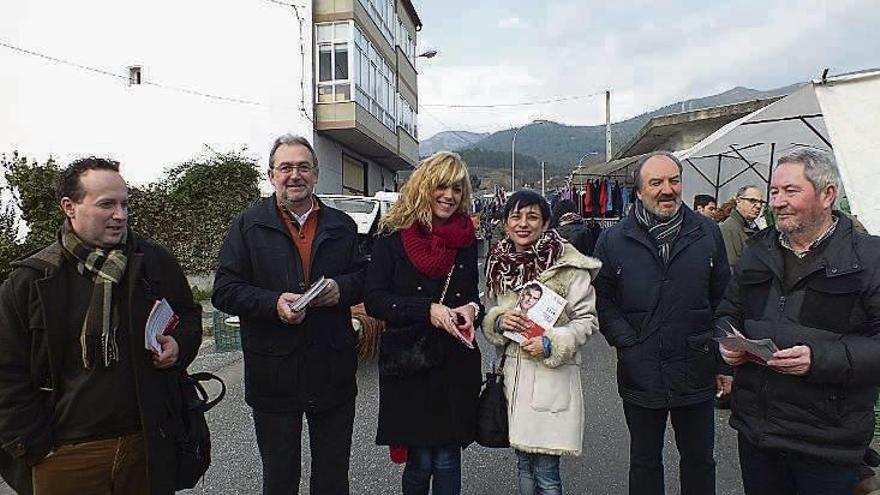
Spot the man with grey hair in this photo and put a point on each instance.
(295, 362)
(663, 273)
(740, 225)
(811, 285)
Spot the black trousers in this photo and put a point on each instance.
(773, 472)
(694, 428)
(279, 438)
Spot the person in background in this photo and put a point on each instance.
(569, 224)
(740, 225)
(705, 205)
(664, 270)
(542, 375)
(423, 280)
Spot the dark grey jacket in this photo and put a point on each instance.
(835, 310)
(659, 317)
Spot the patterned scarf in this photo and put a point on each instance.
(664, 232)
(507, 269)
(432, 251)
(105, 268)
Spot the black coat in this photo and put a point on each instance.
(660, 317)
(835, 310)
(579, 235)
(437, 407)
(305, 367)
(32, 334)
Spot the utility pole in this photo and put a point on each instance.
(543, 182)
(513, 161)
(607, 126)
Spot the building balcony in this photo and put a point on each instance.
(356, 128)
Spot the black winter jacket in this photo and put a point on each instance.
(437, 407)
(305, 367)
(660, 317)
(31, 336)
(835, 310)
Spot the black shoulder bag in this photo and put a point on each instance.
(194, 439)
(413, 348)
(492, 422)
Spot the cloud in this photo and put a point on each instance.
(652, 59)
(510, 23)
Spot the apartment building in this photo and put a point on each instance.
(366, 92)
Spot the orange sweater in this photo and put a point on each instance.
(302, 238)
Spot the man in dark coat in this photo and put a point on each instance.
(811, 285)
(663, 273)
(84, 406)
(295, 362)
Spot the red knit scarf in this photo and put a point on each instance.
(432, 250)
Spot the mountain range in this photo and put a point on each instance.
(562, 146)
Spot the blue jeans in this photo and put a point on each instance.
(538, 474)
(438, 466)
(767, 471)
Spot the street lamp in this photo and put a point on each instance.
(591, 153)
(513, 153)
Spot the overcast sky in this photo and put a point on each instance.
(508, 51)
(491, 52)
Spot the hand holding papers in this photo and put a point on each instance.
(161, 321)
(542, 307)
(756, 351)
(309, 295)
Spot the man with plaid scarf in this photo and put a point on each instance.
(85, 407)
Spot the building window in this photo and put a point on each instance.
(407, 117)
(406, 42)
(374, 81)
(333, 62)
(354, 176)
(382, 13)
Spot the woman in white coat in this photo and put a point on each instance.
(542, 374)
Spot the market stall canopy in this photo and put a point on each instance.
(839, 114)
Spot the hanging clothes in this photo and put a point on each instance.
(603, 197)
(617, 200)
(594, 198)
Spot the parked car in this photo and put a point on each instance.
(365, 211)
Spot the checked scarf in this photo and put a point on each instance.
(105, 268)
(664, 232)
(508, 270)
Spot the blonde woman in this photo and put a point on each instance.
(423, 282)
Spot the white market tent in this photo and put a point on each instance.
(839, 114)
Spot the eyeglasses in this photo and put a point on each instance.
(288, 168)
(753, 201)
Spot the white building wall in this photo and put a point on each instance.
(242, 50)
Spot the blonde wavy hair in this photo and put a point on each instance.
(415, 204)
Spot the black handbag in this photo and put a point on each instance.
(411, 349)
(492, 422)
(193, 440)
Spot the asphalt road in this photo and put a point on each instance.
(601, 469)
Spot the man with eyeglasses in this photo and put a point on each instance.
(295, 362)
(740, 225)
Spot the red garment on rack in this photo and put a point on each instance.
(588, 207)
(603, 197)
